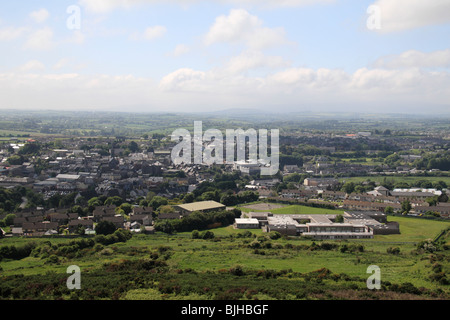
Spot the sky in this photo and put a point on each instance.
(377, 56)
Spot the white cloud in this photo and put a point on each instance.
(154, 32)
(403, 90)
(103, 6)
(249, 60)
(77, 37)
(151, 33)
(11, 33)
(240, 27)
(180, 50)
(185, 79)
(365, 90)
(41, 39)
(40, 16)
(415, 59)
(74, 91)
(399, 15)
(61, 63)
(32, 65)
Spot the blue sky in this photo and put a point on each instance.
(194, 55)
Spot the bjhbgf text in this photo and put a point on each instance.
(234, 310)
(230, 310)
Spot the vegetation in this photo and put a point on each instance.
(212, 265)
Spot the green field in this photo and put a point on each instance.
(211, 259)
(295, 209)
(395, 179)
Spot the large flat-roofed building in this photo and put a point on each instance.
(203, 206)
(246, 223)
(338, 231)
(68, 177)
(323, 226)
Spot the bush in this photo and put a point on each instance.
(274, 235)
(195, 234)
(394, 251)
(105, 228)
(53, 259)
(208, 235)
(237, 271)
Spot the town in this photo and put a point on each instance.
(69, 184)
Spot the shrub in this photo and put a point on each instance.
(237, 271)
(207, 235)
(395, 250)
(274, 235)
(195, 234)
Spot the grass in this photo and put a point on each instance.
(294, 209)
(395, 179)
(299, 209)
(227, 252)
(414, 229)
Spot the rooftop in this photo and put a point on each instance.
(200, 206)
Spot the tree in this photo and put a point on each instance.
(95, 202)
(133, 146)
(116, 201)
(157, 202)
(389, 210)
(348, 187)
(15, 160)
(406, 206)
(105, 228)
(443, 197)
(432, 201)
(166, 209)
(167, 227)
(189, 198)
(126, 207)
(339, 218)
(80, 230)
(9, 219)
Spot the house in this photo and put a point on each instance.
(291, 193)
(202, 206)
(17, 232)
(246, 223)
(371, 206)
(379, 191)
(102, 212)
(67, 177)
(443, 210)
(320, 182)
(59, 218)
(142, 211)
(38, 228)
(144, 219)
(74, 224)
(118, 221)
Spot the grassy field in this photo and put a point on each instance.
(290, 209)
(395, 179)
(227, 250)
